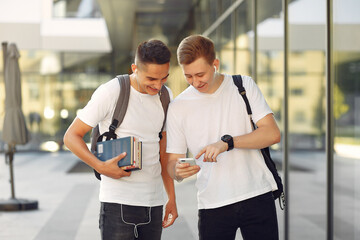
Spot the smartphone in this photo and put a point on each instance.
(188, 160)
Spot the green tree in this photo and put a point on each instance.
(340, 107)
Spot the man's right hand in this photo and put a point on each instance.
(111, 168)
(184, 170)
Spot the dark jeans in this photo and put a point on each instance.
(124, 222)
(256, 218)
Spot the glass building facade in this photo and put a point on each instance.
(304, 56)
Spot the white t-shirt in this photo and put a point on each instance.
(196, 120)
(143, 119)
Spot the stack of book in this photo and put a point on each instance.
(112, 148)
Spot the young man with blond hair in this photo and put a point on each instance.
(209, 119)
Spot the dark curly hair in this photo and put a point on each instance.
(152, 51)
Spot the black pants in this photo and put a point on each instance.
(124, 222)
(256, 218)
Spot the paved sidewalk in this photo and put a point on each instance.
(67, 193)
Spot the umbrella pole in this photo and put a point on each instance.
(15, 204)
(11, 160)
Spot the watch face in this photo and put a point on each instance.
(229, 140)
(226, 138)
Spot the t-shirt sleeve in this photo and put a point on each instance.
(176, 142)
(257, 101)
(98, 107)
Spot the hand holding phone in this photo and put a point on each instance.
(183, 171)
(188, 160)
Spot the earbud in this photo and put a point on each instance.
(215, 68)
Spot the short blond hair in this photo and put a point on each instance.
(193, 47)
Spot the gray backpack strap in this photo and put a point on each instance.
(118, 116)
(165, 100)
(120, 109)
(123, 100)
(119, 113)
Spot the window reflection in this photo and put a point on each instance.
(51, 98)
(76, 9)
(347, 119)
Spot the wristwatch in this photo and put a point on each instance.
(229, 140)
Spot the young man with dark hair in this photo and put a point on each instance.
(131, 202)
(210, 120)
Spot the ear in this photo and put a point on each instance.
(133, 68)
(216, 64)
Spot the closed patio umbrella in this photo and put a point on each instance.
(14, 128)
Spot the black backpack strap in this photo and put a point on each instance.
(239, 83)
(265, 151)
(165, 100)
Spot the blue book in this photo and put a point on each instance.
(112, 148)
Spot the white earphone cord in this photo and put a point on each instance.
(135, 225)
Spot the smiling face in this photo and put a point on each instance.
(202, 75)
(149, 78)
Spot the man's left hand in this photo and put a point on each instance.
(212, 151)
(170, 214)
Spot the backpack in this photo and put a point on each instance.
(119, 114)
(279, 193)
